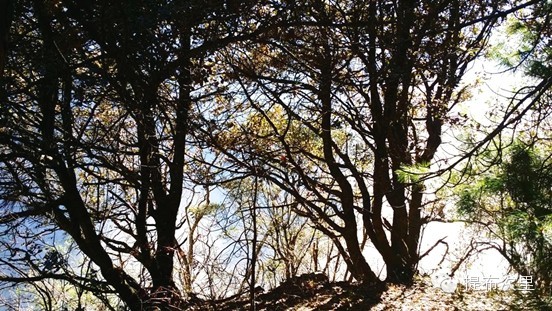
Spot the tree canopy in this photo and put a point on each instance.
(319, 122)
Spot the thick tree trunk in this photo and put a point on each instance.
(359, 268)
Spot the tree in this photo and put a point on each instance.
(526, 50)
(103, 107)
(511, 203)
(342, 104)
(98, 99)
(506, 191)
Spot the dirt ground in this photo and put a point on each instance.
(315, 292)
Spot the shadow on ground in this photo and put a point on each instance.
(305, 292)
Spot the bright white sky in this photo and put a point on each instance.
(495, 86)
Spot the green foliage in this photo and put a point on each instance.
(514, 198)
(412, 173)
(519, 175)
(467, 202)
(526, 42)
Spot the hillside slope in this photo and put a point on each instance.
(315, 292)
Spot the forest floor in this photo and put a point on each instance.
(315, 292)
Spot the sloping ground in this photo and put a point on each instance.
(314, 292)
